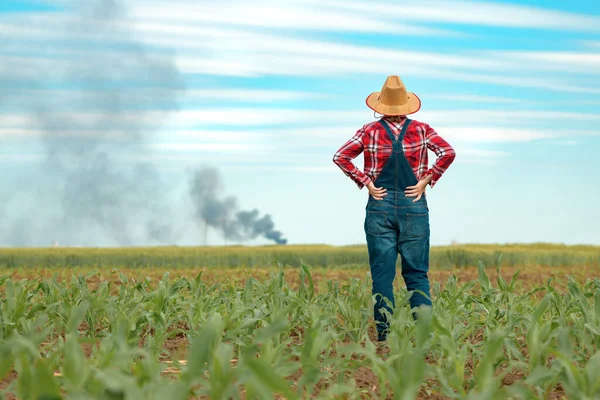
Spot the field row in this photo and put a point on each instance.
(528, 277)
(545, 255)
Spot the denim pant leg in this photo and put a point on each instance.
(382, 239)
(413, 246)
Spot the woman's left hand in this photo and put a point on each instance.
(416, 191)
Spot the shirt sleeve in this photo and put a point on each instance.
(344, 156)
(445, 154)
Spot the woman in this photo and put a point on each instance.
(396, 174)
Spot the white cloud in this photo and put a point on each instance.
(479, 156)
(208, 147)
(582, 132)
(318, 61)
(315, 169)
(484, 153)
(523, 115)
(480, 13)
(224, 51)
(479, 161)
(316, 122)
(281, 15)
(21, 157)
(510, 79)
(241, 135)
(558, 60)
(216, 96)
(343, 13)
(568, 142)
(243, 159)
(221, 41)
(474, 98)
(592, 43)
(157, 158)
(491, 134)
(8, 132)
(237, 117)
(250, 95)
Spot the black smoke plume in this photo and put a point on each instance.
(221, 213)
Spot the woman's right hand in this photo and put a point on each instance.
(377, 193)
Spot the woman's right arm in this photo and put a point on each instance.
(349, 151)
(444, 151)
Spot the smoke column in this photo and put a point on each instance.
(92, 190)
(222, 213)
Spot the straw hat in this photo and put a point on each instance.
(394, 99)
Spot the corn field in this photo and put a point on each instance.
(442, 257)
(182, 338)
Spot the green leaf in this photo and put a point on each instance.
(49, 397)
(249, 290)
(513, 280)
(501, 281)
(484, 375)
(541, 309)
(278, 326)
(77, 314)
(592, 370)
(74, 368)
(597, 306)
(539, 375)
(305, 273)
(484, 280)
(45, 385)
(498, 261)
(519, 391)
(25, 379)
(593, 328)
(264, 376)
(6, 360)
(201, 349)
(424, 323)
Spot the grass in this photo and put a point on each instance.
(539, 254)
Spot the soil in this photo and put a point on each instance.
(528, 278)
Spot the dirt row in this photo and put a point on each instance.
(528, 278)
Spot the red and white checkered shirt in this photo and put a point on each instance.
(373, 140)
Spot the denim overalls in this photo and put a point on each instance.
(395, 225)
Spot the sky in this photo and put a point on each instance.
(103, 100)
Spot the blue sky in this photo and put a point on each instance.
(267, 91)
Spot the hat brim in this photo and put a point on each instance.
(412, 105)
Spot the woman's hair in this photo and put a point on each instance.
(391, 118)
(395, 118)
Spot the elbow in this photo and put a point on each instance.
(336, 159)
(451, 155)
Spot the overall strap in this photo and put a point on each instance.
(404, 128)
(387, 128)
(389, 131)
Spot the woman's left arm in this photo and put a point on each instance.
(445, 154)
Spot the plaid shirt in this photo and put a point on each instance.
(373, 140)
